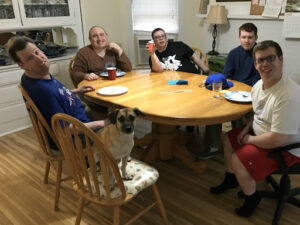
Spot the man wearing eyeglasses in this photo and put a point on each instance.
(173, 55)
(276, 122)
(239, 66)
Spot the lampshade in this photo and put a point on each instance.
(217, 15)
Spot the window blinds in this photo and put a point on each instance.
(150, 14)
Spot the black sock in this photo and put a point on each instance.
(249, 206)
(230, 181)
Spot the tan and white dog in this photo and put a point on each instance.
(117, 137)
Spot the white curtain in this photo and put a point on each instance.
(150, 14)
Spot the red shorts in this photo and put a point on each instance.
(256, 159)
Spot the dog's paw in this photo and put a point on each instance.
(128, 177)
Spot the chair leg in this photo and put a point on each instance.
(293, 200)
(79, 212)
(47, 170)
(276, 189)
(116, 215)
(285, 185)
(160, 204)
(58, 183)
(273, 183)
(278, 211)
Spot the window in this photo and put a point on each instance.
(148, 15)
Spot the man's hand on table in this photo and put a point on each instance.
(91, 76)
(84, 88)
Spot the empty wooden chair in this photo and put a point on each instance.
(202, 56)
(42, 129)
(101, 182)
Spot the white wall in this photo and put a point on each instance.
(192, 27)
(111, 15)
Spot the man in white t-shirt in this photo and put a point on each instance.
(276, 122)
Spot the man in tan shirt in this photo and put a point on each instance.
(93, 59)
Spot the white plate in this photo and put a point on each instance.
(238, 96)
(113, 90)
(118, 74)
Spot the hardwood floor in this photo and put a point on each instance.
(26, 200)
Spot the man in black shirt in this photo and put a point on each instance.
(173, 55)
(180, 57)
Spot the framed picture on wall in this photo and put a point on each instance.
(203, 6)
(292, 6)
(233, 0)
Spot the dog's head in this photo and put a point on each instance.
(125, 118)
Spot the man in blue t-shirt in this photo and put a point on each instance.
(239, 66)
(49, 95)
(239, 62)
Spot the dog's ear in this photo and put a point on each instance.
(112, 116)
(138, 112)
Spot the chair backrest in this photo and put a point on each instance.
(81, 148)
(40, 125)
(80, 95)
(70, 70)
(202, 56)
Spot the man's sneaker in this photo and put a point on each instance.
(208, 154)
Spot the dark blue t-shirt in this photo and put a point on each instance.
(51, 97)
(240, 66)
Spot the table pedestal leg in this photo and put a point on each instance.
(180, 152)
(163, 142)
(144, 141)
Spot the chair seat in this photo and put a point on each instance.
(144, 176)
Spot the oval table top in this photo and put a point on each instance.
(195, 107)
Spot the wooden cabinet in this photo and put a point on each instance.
(13, 114)
(63, 17)
(16, 14)
(9, 14)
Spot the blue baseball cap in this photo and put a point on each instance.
(217, 77)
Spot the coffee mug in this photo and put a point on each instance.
(112, 72)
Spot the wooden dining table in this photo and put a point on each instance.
(168, 106)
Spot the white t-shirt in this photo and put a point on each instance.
(277, 109)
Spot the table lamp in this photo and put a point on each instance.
(216, 15)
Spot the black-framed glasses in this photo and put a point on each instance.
(160, 37)
(269, 59)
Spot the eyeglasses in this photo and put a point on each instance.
(159, 37)
(269, 59)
